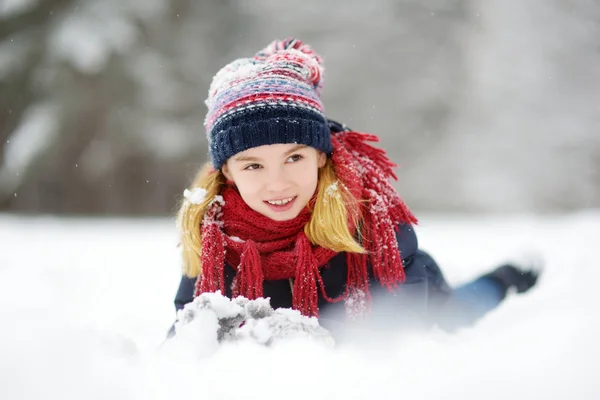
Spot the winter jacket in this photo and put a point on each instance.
(410, 303)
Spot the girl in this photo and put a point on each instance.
(299, 209)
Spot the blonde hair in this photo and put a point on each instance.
(328, 226)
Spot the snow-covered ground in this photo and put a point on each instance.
(85, 305)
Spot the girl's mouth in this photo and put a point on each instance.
(281, 204)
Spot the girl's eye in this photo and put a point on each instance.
(294, 158)
(252, 167)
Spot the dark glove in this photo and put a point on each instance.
(519, 277)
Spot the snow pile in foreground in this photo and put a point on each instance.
(85, 306)
(212, 319)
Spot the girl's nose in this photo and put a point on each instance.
(278, 181)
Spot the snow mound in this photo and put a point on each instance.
(212, 319)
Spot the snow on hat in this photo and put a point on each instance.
(273, 97)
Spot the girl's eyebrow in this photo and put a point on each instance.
(295, 148)
(254, 159)
(245, 158)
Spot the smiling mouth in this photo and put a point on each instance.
(280, 202)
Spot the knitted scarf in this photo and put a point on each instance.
(262, 249)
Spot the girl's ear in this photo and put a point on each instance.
(322, 159)
(226, 173)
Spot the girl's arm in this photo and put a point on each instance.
(185, 293)
(187, 287)
(407, 305)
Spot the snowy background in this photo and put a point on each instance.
(490, 108)
(85, 305)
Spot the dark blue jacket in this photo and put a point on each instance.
(411, 303)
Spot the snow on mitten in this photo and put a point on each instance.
(228, 314)
(212, 317)
(258, 309)
(282, 324)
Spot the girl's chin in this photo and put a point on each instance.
(281, 216)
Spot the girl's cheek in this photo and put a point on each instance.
(301, 171)
(253, 178)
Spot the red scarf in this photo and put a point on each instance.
(262, 249)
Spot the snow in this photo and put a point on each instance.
(237, 320)
(88, 35)
(34, 134)
(195, 196)
(13, 7)
(30, 137)
(86, 303)
(219, 199)
(333, 190)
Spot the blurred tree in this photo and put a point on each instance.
(486, 107)
(525, 136)
(102, 111)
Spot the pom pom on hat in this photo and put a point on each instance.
(272, 97)
(302, 54)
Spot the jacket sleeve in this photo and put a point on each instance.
(409, 304)
(185, 293)
(420, 267)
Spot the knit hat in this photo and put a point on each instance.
(273, 97)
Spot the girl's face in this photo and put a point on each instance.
(276, 180)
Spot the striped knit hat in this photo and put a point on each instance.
(273, 97)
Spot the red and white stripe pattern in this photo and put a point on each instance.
(284, 74)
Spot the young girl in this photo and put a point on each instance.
(299, 209)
